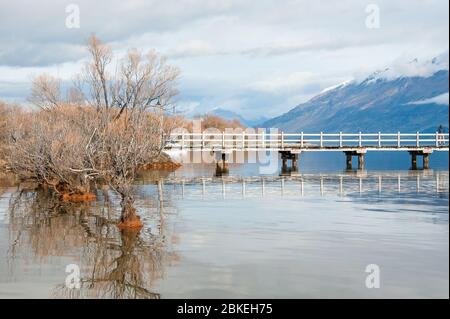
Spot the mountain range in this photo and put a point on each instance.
(412, 97)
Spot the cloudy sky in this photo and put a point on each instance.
(258, 58)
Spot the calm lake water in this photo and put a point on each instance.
(308, 235)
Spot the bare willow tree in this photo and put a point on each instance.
(132, 105)
(121, 124)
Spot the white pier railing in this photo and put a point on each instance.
(308, 142)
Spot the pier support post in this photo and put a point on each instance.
(293, 157)
(349, 155)
(294, 162)
(348, 160)
(284, 166)
(361, 161)
(413, 160)
(425, 153)
(426, 161)
(222, 165)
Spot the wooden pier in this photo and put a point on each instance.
(291, 145)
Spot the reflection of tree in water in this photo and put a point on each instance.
(114, 263)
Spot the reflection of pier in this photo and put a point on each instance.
(314, 184)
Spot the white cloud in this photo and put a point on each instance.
(281, 84)
(187, 106)
(191, 48)
(442, 99)
(417, 68)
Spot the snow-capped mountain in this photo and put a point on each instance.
(406, 97)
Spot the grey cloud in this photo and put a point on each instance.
(34, 54)
(41, 25)
(275, 50)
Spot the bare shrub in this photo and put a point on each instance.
(5, 127)
(52, 147)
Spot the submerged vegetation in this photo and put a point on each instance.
(100, 131)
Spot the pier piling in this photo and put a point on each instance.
(293, 157)
(348, 160)
(426, 161)
(425, 153)
(361, 161)
(222, 165)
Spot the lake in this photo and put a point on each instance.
(315, 233)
